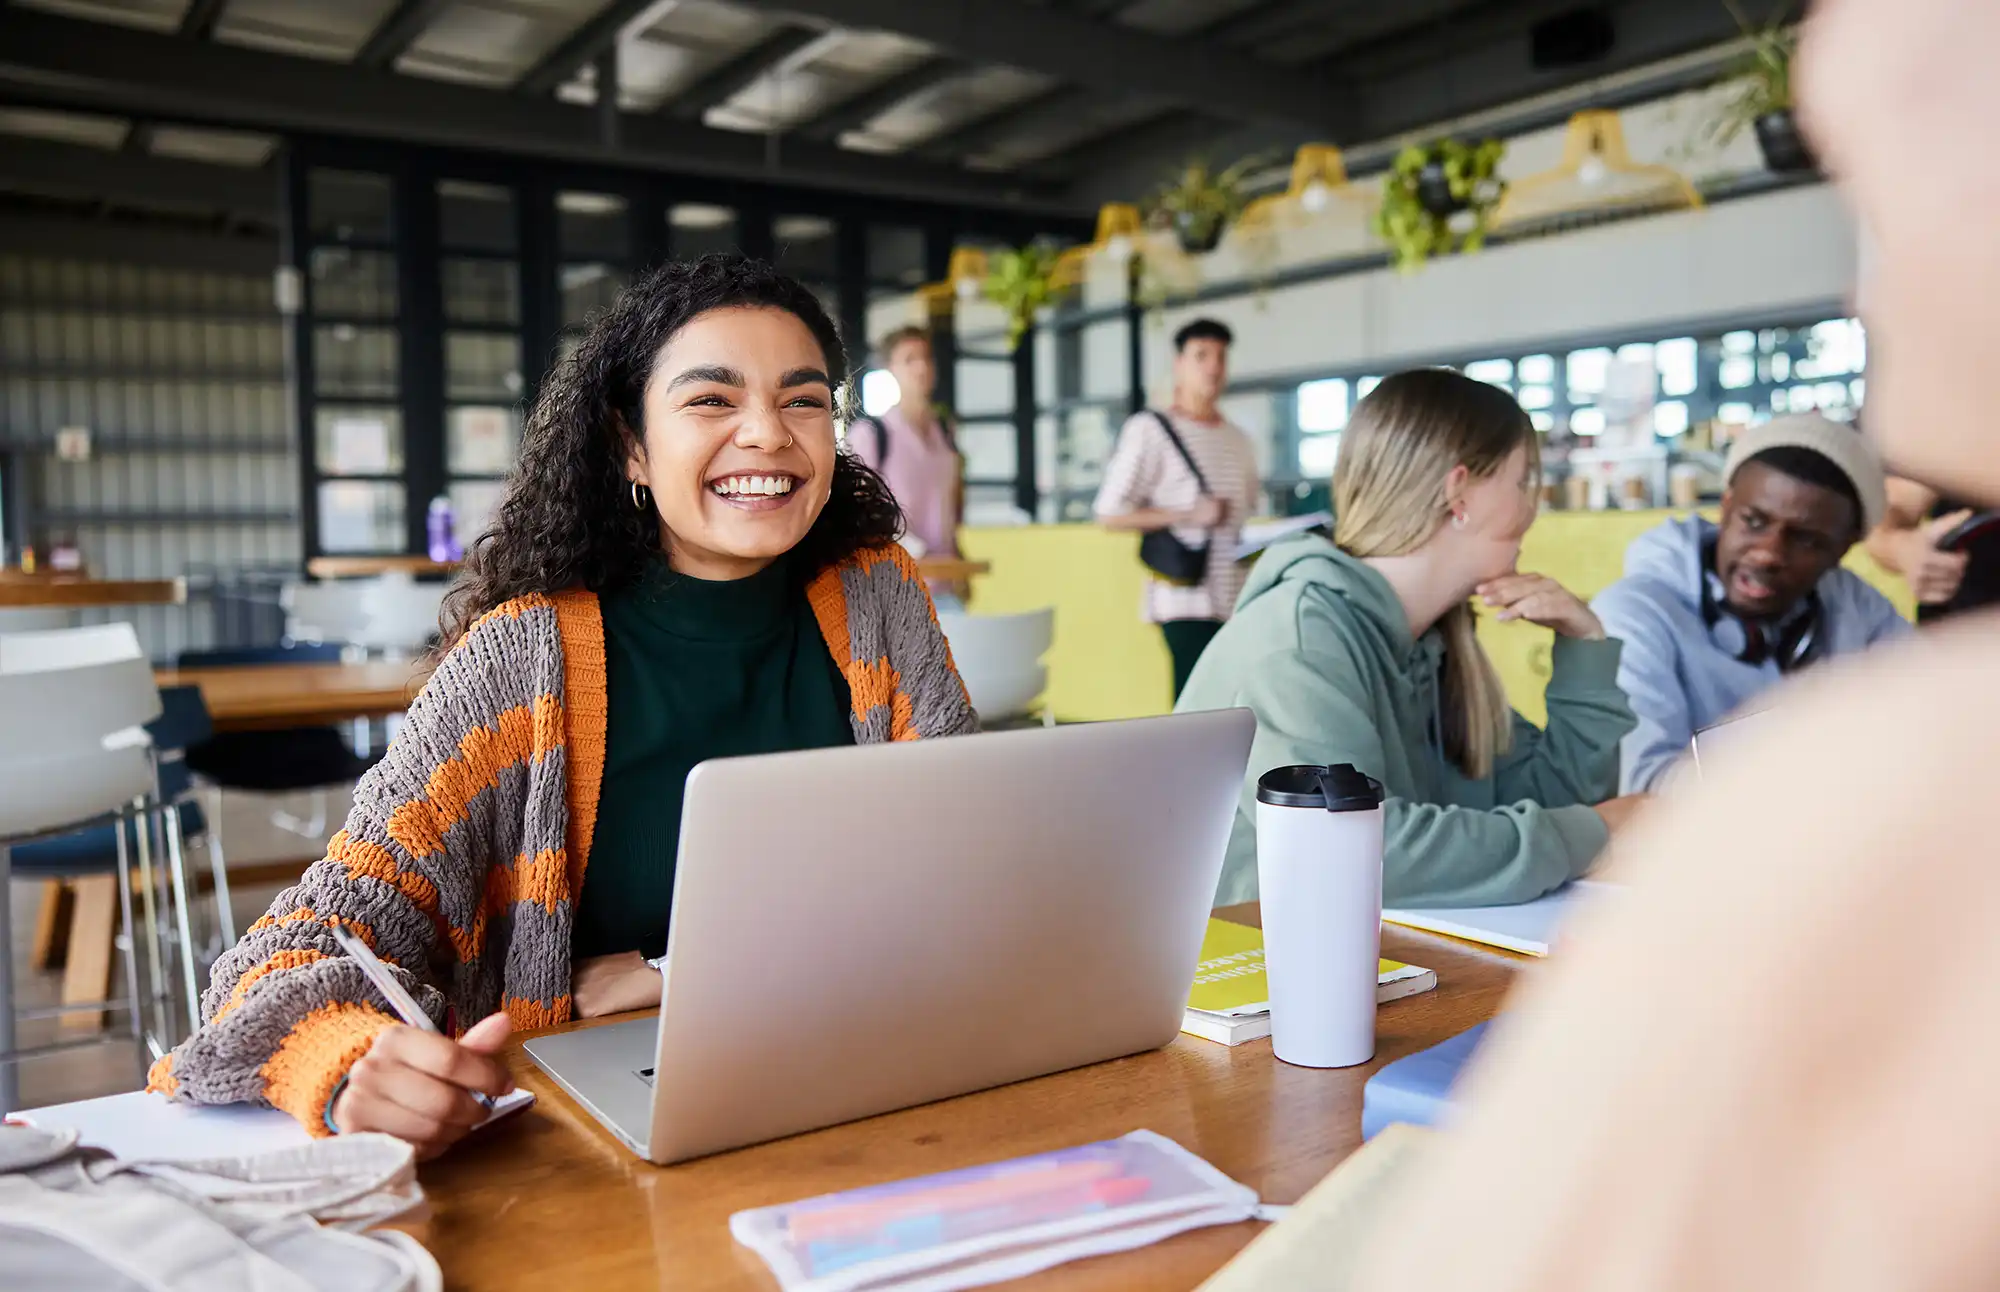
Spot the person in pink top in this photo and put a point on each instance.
(911, 447)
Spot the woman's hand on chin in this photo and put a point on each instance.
(1541, 600)
(613, 984)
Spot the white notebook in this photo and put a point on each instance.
(1257, 535)
(1527, 928)
(146, 1127)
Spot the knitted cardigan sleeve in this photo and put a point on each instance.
(286, 1014)
(882, 628)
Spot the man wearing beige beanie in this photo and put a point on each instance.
(1712, 615)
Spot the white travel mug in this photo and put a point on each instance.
(1319, 878)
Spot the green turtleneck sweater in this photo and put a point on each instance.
(694, 670)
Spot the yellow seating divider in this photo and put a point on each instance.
(1106, 663)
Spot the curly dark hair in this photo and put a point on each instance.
(567, 519)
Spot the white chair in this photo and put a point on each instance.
(334, 611)
(401, 614)
(1000, 658)
(74, 755)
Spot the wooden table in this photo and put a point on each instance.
(553, 1201)
(350, 567)
(71, 593)
(945, 569)
(261, 697)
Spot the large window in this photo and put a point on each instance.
(479, 237)
(1664, 398)
(355, 321)
(438, 292)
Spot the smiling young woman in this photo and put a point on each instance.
(686, 566)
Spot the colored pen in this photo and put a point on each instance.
(857, 1216)
(392, 991)
(915, 1232)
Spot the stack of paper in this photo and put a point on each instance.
(1528, 927)
(1231, 1000)
(1260, 534)
(145, 1127)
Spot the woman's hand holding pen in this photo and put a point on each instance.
(422, 1087)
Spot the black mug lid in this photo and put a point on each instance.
(1339, 788)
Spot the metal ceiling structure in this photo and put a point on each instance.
(1037, 106)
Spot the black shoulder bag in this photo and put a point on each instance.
(1163, 553)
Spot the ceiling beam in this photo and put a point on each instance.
(581, 47)
(856, 112)
(1050, 109)
(1424, 45)
(738, 72)
(1480, 59)
(607, 90)
(198, 23)
(138, 179)
(402, 28)
(1162, 140)
(53, 238)
(97, 67)
(1089, 52)
(1332, 25)
(1420, 80)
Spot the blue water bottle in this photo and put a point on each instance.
(440, 531)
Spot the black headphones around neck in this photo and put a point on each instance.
(1798, 642)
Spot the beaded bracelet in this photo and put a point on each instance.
(327, 1115)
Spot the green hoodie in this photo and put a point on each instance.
(1320, 650)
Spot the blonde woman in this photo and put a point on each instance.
(1362, 651)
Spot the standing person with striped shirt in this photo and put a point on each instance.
(1202, 490)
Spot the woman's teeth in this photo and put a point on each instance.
(761, 485)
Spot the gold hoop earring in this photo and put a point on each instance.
(642, 497)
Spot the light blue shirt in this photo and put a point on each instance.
(1682, 674)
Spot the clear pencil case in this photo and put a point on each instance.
(988, 1223)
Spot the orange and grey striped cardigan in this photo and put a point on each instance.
(463, 857)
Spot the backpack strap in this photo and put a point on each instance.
(881, 438)
(1167, 425)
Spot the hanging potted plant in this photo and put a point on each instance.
(1022, 282)
(1439, 198)
(1762, 100)
(1199, 204)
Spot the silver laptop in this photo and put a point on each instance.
(861, 930)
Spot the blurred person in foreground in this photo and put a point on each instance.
(1728, 1078)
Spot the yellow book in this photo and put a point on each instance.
(1231, 999)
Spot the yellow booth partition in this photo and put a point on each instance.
(1108, 664)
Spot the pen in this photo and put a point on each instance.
(399, 1000)
(982, 1190)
